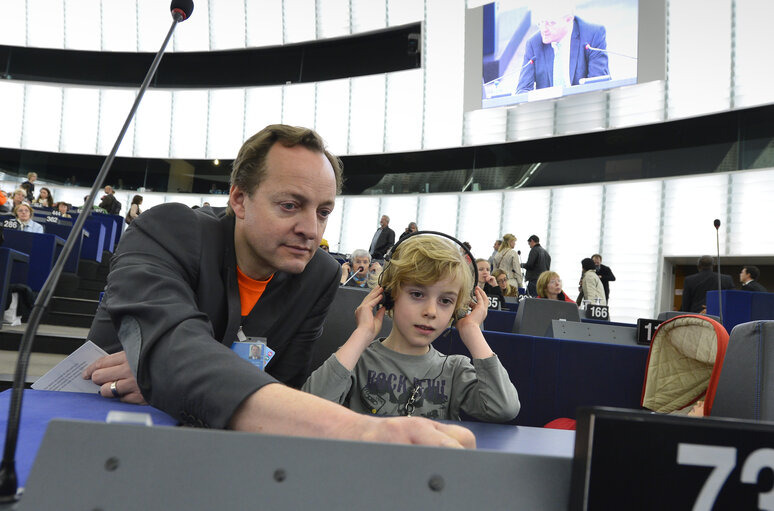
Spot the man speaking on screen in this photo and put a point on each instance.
(565, 49)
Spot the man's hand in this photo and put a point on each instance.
(416, 430)
(375, 267)
(115, 369)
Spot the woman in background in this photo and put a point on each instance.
(591, 286)
(412, 228)
(505, 287)
(508, 260)
(549, 285)
(134, 209)
(63, 207)
(45, 198)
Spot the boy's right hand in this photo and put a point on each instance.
(367, 319)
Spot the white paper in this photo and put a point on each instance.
(66, 375)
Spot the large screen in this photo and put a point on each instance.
(534, 50)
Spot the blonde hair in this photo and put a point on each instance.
(506, 244)
(543, 280)
(425, 260)
(509, 289)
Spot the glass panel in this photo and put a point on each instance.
(44, 30)
(299, 21)
(113, 108)
(263, 19)
(691, 206)
(751, 215)
(13, 24)
(81, 24)
(402, 209)
(194, 34)
(298, 105)
(581, 113)
(153, 22)
(263, 106)
(529, 121)
(402, 12)
(525, 212)
(152, 124)
(366, 124)
(79, 120)
(630, 244)
(227, 24)
(368, 15)
(485, 126)
(637, 104)
(404, 111)
(444, 75)
(333, 114)
(438, 212)
(189, 123)
(12, 106)
(119, 26)
(362, 219)
(752, 80)
(689, 61)
(333, 229)
(333, 18)
(576, 212)
(225, 128)
(479, 224)
(42, 111)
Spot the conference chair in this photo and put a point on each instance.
(535, 315)
(745, 389)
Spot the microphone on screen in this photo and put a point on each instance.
(604, 50)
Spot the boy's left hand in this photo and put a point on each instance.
(479, 311)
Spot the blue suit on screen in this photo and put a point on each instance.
(583, 63)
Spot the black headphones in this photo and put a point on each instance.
(389, 302)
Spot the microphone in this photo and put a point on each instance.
(181, 9)
(720, 286)
(591, 48)
(359, 269)
(529, 63)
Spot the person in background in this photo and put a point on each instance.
(383, 239)
(604, 273)
(45, 198)
(109, 202)
(134, 209)
(495, 247)
(63, 208)
(538, 261)
(5, 203)
(749, 279)
(29, 186)
(488, 283)
(19, 195)
(359, 271)
(591, 286)
(23, 214)
(325, 246)
(549, 285)
(505, 287)
(412, 228)
(507, 259)
(695, 286)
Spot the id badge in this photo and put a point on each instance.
(254, 350)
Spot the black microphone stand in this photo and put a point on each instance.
(720, 285)
(8, 480)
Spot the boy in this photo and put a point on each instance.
(430, 282)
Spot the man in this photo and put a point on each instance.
(749, 279)
(538, 261)
(696, 286)
(605, 274)
(186, 284)
(359, 271)
(109, 202)
(383, 240)
(565, 50)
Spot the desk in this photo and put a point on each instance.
(13, 270)
(43, 250)
(39, 407)
(190, 468)
(741, 306)
(555, 376)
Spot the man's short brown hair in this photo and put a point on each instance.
(249, 167)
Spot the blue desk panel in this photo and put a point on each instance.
(43, 250)
(741, 306)
(555, 376)
(13, 270)
(39, 407)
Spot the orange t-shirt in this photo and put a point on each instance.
(250, 291)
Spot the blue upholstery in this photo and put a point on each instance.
(43, 249)
(13, 270)
(741, 306)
